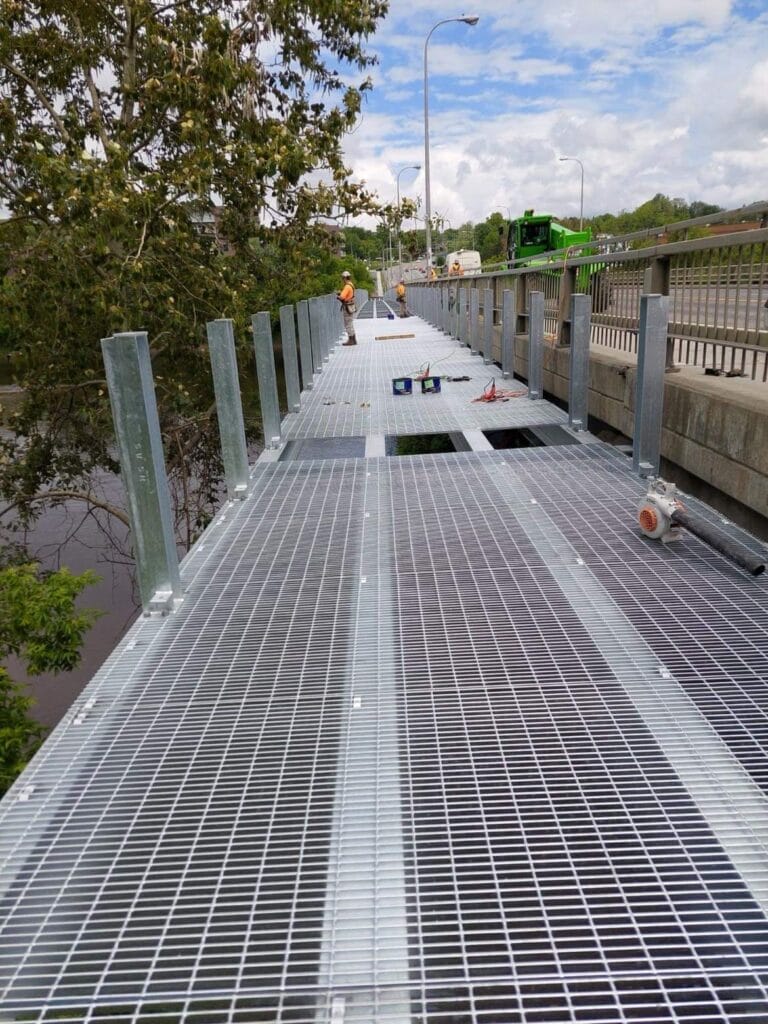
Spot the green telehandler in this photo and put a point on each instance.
(534, 234)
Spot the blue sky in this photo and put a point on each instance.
(652, 95)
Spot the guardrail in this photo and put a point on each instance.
(717, 288)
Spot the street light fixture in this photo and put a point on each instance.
(581, 206)
(410, 167)
(466, 19)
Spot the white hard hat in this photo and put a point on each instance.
(345, 273)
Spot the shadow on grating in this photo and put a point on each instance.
(313, 448)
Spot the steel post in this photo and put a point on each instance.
(305, 344)
(316, 333)
(508, 323)
(290, 358)
(578, 378)
(474, 320)
(229, 408)
(327, 329)
(535, 344)
(487, 325)
(137, 426)
(267, 379)
(649, 390)
(462, 303)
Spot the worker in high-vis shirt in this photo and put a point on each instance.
(348, 309)
(400, 294)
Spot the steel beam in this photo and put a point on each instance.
(649, 390)
(229, 408)
(139, 442)
(267, 379)
(508, 324)
(535, 344)
(578, 380)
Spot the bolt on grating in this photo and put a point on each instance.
(381, 664)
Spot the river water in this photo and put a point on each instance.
(70, 535)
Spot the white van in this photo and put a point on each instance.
(468, 258)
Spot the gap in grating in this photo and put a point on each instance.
(513, 437)
(419, 444)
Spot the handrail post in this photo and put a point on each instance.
(508, 325)
(487, 325)
(474, 320)
(578, 378)
(229, 408)
(305, 344)
(535, 344)
(267, 379)
(137, 427)
(316, 333)
(461, 327)
(290, 357)
(649, 388)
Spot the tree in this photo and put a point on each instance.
(40, 624)
(490, 237)
(120, 123)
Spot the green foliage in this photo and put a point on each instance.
(118, 124)
(490, 238)
(20, 735)
(40, 624)
(654, 213)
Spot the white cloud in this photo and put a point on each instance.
(644, 116)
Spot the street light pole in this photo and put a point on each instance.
(470, 19)
(410, 167)
(576, 160)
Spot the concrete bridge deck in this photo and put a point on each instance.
(434, 738)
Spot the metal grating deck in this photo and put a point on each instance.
(353, 394)
(432, 739)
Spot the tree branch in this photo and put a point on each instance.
(65, 136)
(94, 92)
(60, 495)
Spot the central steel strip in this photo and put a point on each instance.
(364, 936)
(733, 806)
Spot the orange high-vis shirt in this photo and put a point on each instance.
(347, 293)
(400, 291)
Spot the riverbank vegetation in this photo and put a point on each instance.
(42, 627)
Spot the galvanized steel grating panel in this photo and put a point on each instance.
(539, 841)
(353, 395)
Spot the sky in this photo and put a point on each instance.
(652, 96)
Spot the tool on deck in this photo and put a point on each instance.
(493, 394)
(429, 385)
(392, 337)
(662, 516)
(402, 386)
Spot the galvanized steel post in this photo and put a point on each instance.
(462, 328)
(267, 379)
(290, 358)
(137, 426)
(474, 320)
(305, 344)
(649, 390)
(508, 324)
(578, 378)
(316, 333)
(487, 325)
(229, 408)
(535, 344)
